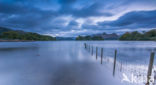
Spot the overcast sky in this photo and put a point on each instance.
(78, 17)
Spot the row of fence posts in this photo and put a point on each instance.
(92, 52)
(150, 66)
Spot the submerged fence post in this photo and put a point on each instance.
(101, 54)
(89, 48)
(121, 67)
(92, 50)
(85, 45)
(150, 68)
(96, 52)
(114, 63)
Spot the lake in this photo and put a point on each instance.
(67, 62)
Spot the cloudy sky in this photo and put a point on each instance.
(78, 17)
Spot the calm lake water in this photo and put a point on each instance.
(66, 62)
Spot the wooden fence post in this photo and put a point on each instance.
(92, 50)
(89, 48)
(101, 54)
(121, 67)
(114, 63)
(96, 52)
(85, 45)
(150, 68)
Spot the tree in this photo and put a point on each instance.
(25, 36)
(125, 36)
(89, 38)
(150, 35)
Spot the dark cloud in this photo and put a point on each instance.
(56, 16)
(73, 23)
(137, 19)
(91, 10)
(66, 2)
(21, 16)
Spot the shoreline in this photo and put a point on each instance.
(16, 40)
(67, 40)
(23, 40)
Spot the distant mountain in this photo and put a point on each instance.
(106, 36)
(102, 36)
(65, 38)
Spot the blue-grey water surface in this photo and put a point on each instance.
(65, 62)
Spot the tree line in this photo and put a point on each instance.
(135, 35)
(11, 35)
(89, 38)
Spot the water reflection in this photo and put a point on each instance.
(63, 63)
(131, 52)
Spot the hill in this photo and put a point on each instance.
(102, 36)
(106, 36)
(3, 29)
(65, 38)
(7, 34)
(135, 35)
